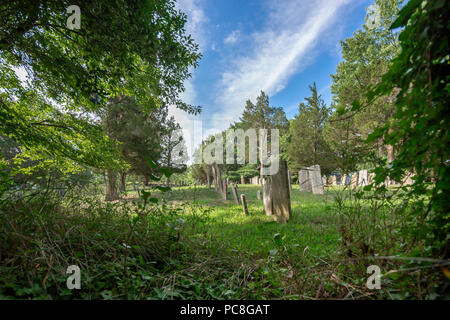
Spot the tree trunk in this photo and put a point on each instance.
(123, 182)
(111, 192)
(208, 177)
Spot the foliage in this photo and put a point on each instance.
(420, 125)
(138, 49)
(307, 145)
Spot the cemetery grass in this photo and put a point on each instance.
(191, 245)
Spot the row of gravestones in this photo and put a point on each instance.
(363, 178)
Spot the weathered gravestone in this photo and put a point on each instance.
(289, 179)
(235, 193)
(259, 195)
(304, 181)
(370, 177)
(316, 179)
(408, 180)
(277, 202)
(344, 180)
(354, 180)
(244, 204)
(242, 180)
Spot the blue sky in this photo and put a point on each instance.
(279, 47)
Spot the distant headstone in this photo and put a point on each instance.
(277, 201)
(244, 204)
(224, 189)
(370, 177)
(332, 180)
(316, 179)
(303, 180)
(242, 180)
(408, 179)
(362, 178)
(354, 180)
(259, 195)
(289, 180)
(235, 193)
(344, 180)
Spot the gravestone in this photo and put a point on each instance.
(316, 179)
(277, 203)
(242, 180)
(408, 180)
(344, 180)
(362, 178)
(224, 189)
(354, 180)
(235, 193)
(304, 181)
(289, 180)
(370, 177)
(244, 204)
(331, 180)
(259, 195)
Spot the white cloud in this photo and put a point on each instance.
(232, 37)
(277, 53)
(196, 20)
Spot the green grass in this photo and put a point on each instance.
(195, 245)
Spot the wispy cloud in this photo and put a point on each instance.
(232, 37)
(196, 20)
(277, 53)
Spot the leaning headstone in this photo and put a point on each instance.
(362, 178)
(303, 180)
(259, 195)
(277, 202)
(244, 204)
(235, 193)
(316, 179)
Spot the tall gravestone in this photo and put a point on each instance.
(277, 202)
(242, 180)
(316, 179)
(259, 195)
